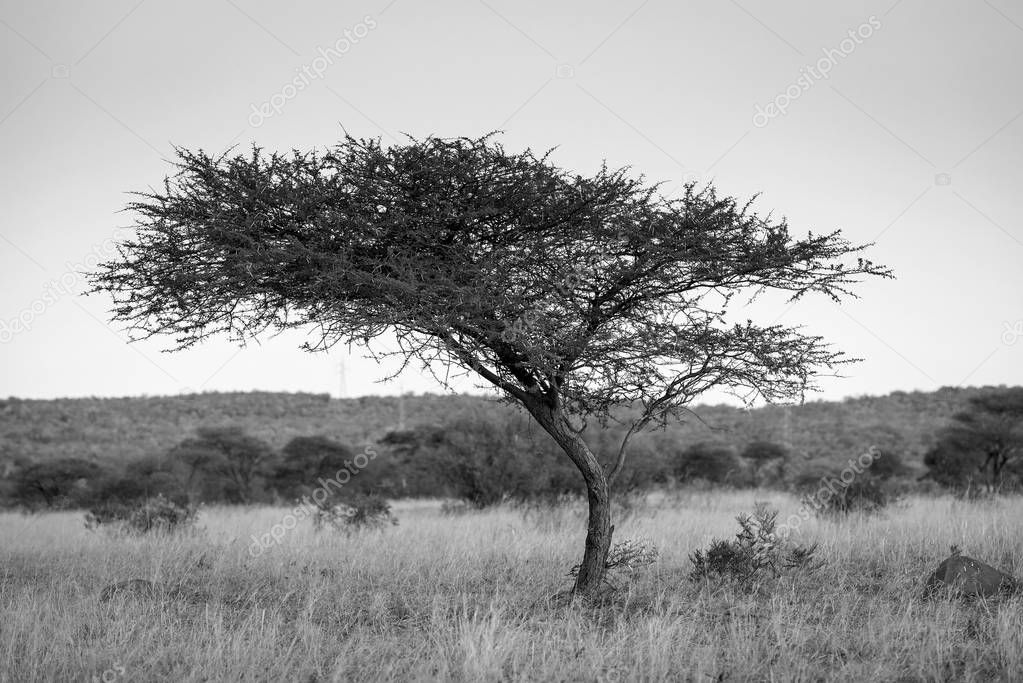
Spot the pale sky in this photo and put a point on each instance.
(913, 139)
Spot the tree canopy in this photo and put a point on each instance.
(450, 243)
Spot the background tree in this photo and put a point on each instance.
(482, 461)
(65, 482)
(889, 445)
(572, 295)
(413, 474)
(650, 456)
(767, 460)
(713, 462)
(306, 459)
(141, 479)
(983, 445)
(955, 466)
(228, 453)
(201, 464)
(485, 457)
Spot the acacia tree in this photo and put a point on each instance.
(572, 295)
(227, 452)
(197, 457)
(305, 459)
(983, 444)
(55, 482)
(766, 457)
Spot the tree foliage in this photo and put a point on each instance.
(448, 242)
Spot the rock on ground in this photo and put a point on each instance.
(970, 577)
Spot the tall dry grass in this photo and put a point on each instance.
(463, 598)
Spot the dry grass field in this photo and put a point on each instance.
(465, 598)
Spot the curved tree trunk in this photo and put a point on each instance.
(598, 494)
(598, 537)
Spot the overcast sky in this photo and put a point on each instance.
(897, 122)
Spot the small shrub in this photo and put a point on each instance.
(154, 514)
(627, 556)
(331, 515)
(756, 552)
(831, 493)
(631, 555)
(354, 514)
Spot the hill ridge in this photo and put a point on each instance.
(122, 428)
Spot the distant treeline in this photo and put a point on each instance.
(263, 447)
